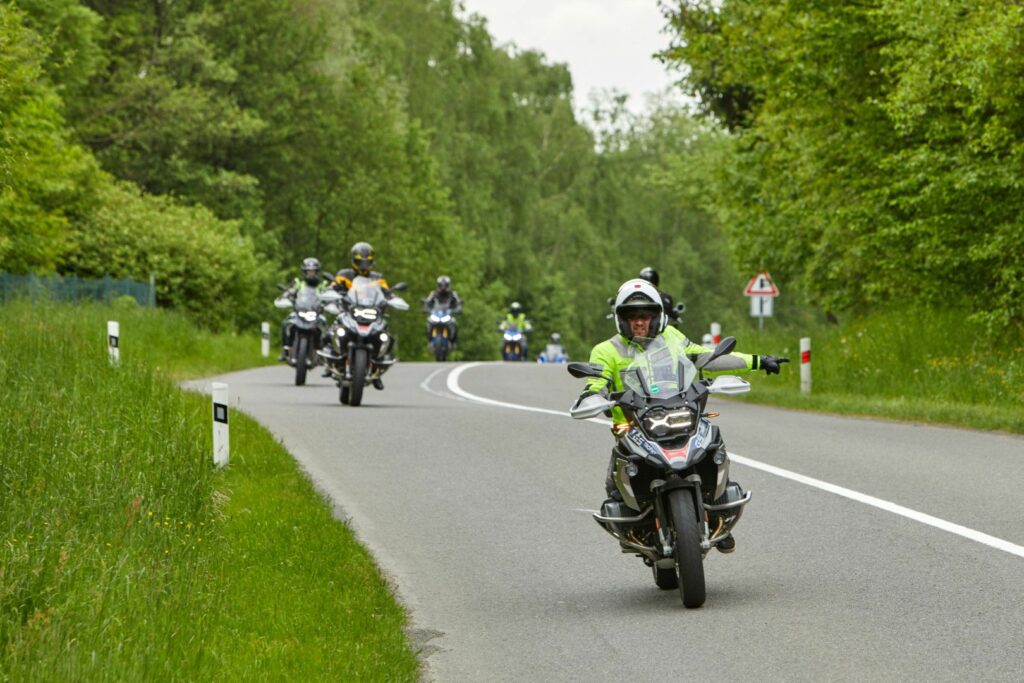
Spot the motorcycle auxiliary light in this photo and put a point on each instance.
(661, 422)
(383, 337)
(340, 332)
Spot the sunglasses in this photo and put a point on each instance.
(638, 314)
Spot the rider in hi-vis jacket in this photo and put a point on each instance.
(640, 318)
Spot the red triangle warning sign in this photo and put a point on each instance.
(761, 285)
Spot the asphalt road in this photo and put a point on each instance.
(843, 570)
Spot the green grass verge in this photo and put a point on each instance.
(124, 555)
(921, 365)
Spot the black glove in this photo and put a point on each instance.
(770, 364)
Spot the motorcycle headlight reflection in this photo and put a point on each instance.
(660, 422)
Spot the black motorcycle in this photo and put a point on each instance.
(441, 330)
(306, 328)
(361, 349)
(671, 468)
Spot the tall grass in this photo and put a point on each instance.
(125, 556)
(927, 365)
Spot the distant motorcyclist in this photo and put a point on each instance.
(311, 277)
(444, 297)
(362, 266)
(516, 319)
(640, 318)
(673, 312)
(554, 352)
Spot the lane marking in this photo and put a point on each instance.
(921, 517)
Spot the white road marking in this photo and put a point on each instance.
(929, 520)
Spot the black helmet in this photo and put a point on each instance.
(639, 294)
(444, 282)
(516, 308)
(362, 257)
(556, 338)
(311, 264)
(651, 275)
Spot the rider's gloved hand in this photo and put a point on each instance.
(770, 364)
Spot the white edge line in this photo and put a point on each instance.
(929, 520)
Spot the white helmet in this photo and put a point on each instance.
(639, 293)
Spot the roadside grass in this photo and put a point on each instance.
(928, 366)
(124, 555)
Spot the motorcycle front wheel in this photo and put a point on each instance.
(689, 561)
(301, 352)
(360, 359)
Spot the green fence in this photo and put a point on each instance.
(74, 288)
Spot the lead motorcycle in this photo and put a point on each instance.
(361, 348)
(307, 326)
(671, 467)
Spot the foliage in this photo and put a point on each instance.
(876, 154)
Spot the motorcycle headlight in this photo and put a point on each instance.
(661, 422)
(516, 337)
(308, 316)
(365, 313)
(446, 318)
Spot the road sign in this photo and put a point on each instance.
(761, 285)
(761, 306)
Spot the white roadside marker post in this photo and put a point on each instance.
(220, 424)
(716, 333)
(805, 365)
(265, 334)
(114, 341)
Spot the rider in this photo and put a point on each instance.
(516, 319)
(362, 265)
(444, 297)
(651, 275)
(640, 317)
(554, 350)
(311, 277)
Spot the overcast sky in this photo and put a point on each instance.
(606, 43)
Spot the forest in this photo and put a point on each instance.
(867, 154)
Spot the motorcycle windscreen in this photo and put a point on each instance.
(366, 293)
(306, 299)
(663, 369)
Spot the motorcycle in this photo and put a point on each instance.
(308, 326)
(360, 346)
(553, 353)
(513, 344)
(441, 329)
(671, 467)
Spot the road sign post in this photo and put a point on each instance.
(221, 441)
(805, 365)
(114, 341)
(761, 291)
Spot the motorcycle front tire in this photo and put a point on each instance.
(301, 352)
(360, 360)
(689, 560)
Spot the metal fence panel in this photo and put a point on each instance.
(74, 288)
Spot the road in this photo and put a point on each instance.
(871, 550)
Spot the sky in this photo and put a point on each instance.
(606, 43)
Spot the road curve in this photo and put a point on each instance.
(477, 513)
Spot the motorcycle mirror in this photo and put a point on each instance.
(282, 302)
(724, 347)
(729, 385)
(330, 296)
(591, 406)
(400, 287)
(581, 370)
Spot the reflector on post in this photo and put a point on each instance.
(221, 442)
(114, 341)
